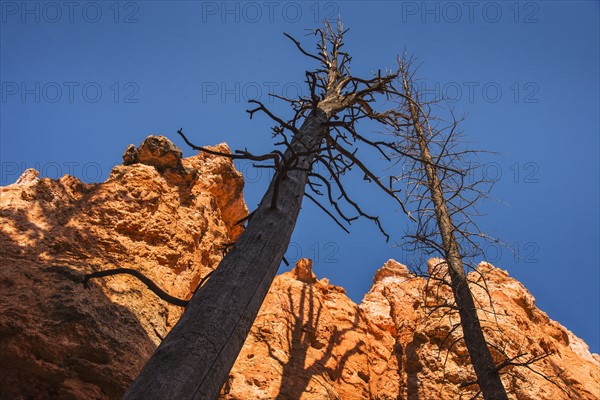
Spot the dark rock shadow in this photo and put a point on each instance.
(413, 366)
(58, 340)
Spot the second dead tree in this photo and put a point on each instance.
(446, 204)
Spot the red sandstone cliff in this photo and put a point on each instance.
(169, 217)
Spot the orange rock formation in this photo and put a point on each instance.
(167, 217)
(310, 341)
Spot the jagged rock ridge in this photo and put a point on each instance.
(169, 217)
(310, 341)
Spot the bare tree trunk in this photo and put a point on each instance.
(488, 376)
(201, 349)
(193, 361)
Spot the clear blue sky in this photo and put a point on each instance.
(81, 81)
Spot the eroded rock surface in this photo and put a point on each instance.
(310, 341)
(157, 213)
(435, 361)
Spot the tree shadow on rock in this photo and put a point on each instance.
(304, 335)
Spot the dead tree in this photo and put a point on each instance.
(445, 203)
(195, 358)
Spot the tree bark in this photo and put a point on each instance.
(488, 376)
(195, 358)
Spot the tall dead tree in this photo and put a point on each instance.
(195, 358)
(445, 203)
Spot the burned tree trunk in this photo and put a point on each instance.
(195, 358)
(197, 355)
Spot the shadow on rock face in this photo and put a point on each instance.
(60, 341)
